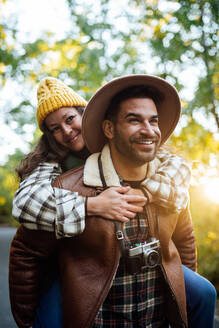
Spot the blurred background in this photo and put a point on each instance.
(86, 43)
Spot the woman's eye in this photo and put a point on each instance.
(70, 118)
(54, 130)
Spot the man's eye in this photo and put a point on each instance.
(154, 121)
(133, 119)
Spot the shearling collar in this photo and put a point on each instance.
(92, 175)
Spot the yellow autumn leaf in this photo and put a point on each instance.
(187, 43)
(9, 182)
(184, 103)
(168, 17)
(212, 235)
(3, 35)
(152, 2)
(2, 201)
(43, 47)
(85, 89)
(216, 92)
(2, 68)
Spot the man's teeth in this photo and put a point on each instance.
(146, 142)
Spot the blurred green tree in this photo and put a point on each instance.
(107, 39)
(184, 34)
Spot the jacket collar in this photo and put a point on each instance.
(91, 169)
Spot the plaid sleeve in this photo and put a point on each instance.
(39, 206)
(171, 181)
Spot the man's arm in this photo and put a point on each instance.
(184, 239)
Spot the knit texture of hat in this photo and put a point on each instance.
(53, 94)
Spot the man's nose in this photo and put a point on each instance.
(147, 128)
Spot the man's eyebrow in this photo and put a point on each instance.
(138, 115)
(132, 114)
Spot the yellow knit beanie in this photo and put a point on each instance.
(53, 94)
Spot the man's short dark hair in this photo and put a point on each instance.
(138, 91)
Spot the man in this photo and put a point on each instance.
(109, 280)
(130, 275)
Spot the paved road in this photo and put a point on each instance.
(6, 319)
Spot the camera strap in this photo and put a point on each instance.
(120, 235)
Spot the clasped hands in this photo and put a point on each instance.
(117, 203)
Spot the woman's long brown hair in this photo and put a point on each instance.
(46, 150)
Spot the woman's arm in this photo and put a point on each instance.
(169, 184)
(39, 206)
(116, 203)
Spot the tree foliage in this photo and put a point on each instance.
(198, 142)
(184, 33)
(170, 38)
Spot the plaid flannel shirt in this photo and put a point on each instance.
(134, 300)
(170, 182)
(38, 206)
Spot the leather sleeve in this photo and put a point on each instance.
(32, 252)
(184, 240)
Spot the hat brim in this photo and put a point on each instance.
(168, 110)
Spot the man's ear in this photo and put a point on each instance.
(108, 129)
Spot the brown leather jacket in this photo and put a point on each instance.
(31, 258)
(88, 262)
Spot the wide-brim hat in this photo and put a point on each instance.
(168, 109)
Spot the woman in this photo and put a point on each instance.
(38, 206)
(61, 146)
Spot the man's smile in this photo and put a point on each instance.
(145, 142)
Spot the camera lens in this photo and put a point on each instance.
(152, 258)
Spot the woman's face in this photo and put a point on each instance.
(65, 126)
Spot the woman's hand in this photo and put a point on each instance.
(139, 192)
(116, 203)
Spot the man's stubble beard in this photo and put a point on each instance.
(130, 152)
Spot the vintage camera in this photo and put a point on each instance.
(143, 255)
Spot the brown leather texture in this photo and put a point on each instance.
(88, 262)
(31, 259)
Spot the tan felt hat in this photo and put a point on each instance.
(169, 108)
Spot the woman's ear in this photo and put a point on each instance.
(108, 129)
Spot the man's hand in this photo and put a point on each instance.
(116, 203)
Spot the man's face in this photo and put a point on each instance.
(135, 136)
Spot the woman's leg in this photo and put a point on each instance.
(201, 300)
(49, 312)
